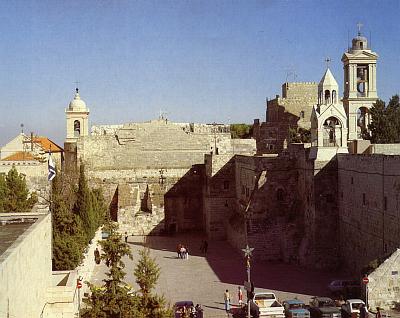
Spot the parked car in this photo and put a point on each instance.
(351, 308)
(185, 306)
(347, 288)
(295, 308)
(268, 305)
(323, 307)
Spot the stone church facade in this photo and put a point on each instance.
(319, 205)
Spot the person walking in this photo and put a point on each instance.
(378, 313)
(363, 311)
(240, 296)
(205, 247)
(227, 301)
(126, 237)
(97, 256)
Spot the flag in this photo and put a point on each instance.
(52, 168)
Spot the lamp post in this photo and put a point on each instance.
(247, 254)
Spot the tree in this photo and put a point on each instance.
(3, 192)
(147, 273)
(15, 194)
(113, 299)
(241, 131)
(385, 121)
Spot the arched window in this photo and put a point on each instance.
(77, 128)
(334, 98)
(363, 120)
(327, 96)
(332, 131)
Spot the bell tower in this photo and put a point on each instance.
(359, 64)
(77, 115)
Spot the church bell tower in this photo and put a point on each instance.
(360, 92)
(77, 119)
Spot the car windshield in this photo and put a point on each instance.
(326, 303)
(265, 297)
(296, 306)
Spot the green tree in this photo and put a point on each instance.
(84, 207)
(15, 192)
(147, 273)
(241, 131)
(385, 121)
(69, 239)
(3, 192)
(113, 299)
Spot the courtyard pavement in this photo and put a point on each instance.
(203, 279)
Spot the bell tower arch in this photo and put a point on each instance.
(360, 92)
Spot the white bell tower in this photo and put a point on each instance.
(328, 121)
(77, 115)
(360, 93)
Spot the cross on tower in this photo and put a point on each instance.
(327, 61)
(77, 86)
(359, 26)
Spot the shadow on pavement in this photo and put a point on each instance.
(228, 264)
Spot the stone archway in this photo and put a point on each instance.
(332, 132)
(363, 121)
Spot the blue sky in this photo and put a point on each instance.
(201, 61)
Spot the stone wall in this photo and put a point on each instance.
(25, 270)
(369, 206)
(292, 110)
(35, 172)
(384, 283)
(386, 149)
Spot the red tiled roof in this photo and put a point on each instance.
(20, 156)
(47, 144)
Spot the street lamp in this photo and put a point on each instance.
(247, 254)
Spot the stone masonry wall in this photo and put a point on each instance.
(369, 205)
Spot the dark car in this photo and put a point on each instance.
(295, 308)
(187, 306)
(323, 307)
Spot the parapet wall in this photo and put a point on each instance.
(25, 269)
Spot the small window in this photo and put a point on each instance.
(385, 203)
(364, 200)
(243, 189)
(352, 180)
(226, 185)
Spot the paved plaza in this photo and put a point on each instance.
(203, 279)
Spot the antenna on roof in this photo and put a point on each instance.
(22, 128)
(348, 41)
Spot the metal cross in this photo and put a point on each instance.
(247, 251)
(359, 26)
(327, 61)
(77, 85)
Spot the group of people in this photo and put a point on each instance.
(183, 251)
(227, 299)
(190, 311)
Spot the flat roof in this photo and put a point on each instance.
(11, 229)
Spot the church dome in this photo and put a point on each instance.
(77, 103)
